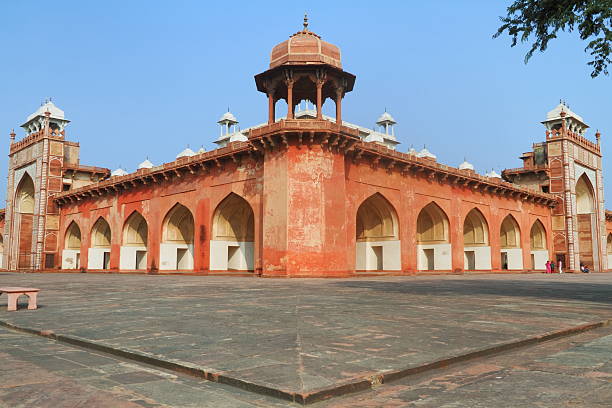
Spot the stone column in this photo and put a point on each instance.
(290, 99)
(319, 99)
(271, 108)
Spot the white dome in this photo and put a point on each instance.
(228, 117)
(185, 153)
(412, 151)
(426, 154)
(493, 174)
(238, 137)
(375, 137)
(145, 165)
(466, 166)
(385, 117)
(47, 107)
(119, 172)
(202, 150)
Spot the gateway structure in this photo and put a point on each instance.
(304, 195)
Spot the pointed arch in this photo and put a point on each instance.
(537, 236)
(234, 220)
(475, 229)
(510, 233)
(72, 238)
(24, 196)
(178, 225)
(377, 220)
(101, 234)
(609, 247)
(377, 235)
(135, 230)
(233, 235)
(432, 225)
(585, 197)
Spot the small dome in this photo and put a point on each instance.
(492, 174)
(50, 107)
(412, 151)
(238, 137)
(374, 137)
(466, 166)
(119, 172)
(426, 154)
(228, 117)
(202, 150)
(145, 165)
(385, 118)
(185, 153)
(305, 47)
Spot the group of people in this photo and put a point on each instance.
(550, 267)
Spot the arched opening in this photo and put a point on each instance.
(71, 254)
(537, 241)
(233, 230)
(510, 243)
(100, 250)
(433, 247)
(133, 254)
(477, 252)
(609, 251)
(586, 215)
(176, 249)
(24, 209)
(378, 244)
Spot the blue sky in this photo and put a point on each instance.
(148, 78)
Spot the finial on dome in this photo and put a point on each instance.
(12, 134)
(305, 21)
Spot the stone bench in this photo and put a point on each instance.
(14, 293)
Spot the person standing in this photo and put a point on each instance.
(547, 266)
(560, 266)
(552, 267)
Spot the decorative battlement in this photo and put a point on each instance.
(34, 138)
(575, 137)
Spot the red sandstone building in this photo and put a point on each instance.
(306, 195)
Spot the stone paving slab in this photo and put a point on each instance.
(308, 334)
(31, 377)
(543, 376)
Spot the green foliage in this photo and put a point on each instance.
(543, 19)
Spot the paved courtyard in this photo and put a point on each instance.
(302, 337)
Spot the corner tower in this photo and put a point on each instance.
(304, 230)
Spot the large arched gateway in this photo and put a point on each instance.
(378, 244)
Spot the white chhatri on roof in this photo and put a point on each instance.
(50, 107)
(493, 174)
(238, 137)
(202, 150)
(426, 154)
(185, 153)
(412, 151)
(145, 165)
(228, 118)
(385, 118)
(556, 113)
(119, 172)
(466, 166)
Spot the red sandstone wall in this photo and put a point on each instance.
(200, 193)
